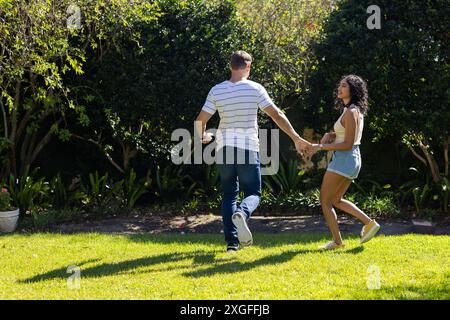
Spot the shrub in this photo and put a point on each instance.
(102, 194)
(27, 191)
(5, 200)
(134, 189)
(380, 206)
(287, 179)
(172, 183)
(405, 64)
(61, 196)
(297, 201)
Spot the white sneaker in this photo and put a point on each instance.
(332, 245)
(244, 234)
(369, 231)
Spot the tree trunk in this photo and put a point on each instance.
(434, 168)
(36, 150)
(428, 160)
(12, 150)
(418, 156)
(129, 152)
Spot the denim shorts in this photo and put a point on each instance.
(346, 163)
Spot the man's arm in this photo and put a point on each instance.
(283, 123)
(200, 125)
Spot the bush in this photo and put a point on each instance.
(102, 194)
(172, 183)
(42, 219)
(5, 200)
(405, 64)
(134, 189)
(380, 206)
(294, 201)
(28, 191)
(209, 184)
(61, 197)
(287, 179)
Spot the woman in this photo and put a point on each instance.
(352, 99)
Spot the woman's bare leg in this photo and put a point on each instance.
(347, 206)
(330, 186)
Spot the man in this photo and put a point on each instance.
(237, 101)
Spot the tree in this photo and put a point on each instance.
(406, 64)
(283, 31)
(140, 94)
(42, 43)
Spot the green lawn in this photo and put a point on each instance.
(194, 266)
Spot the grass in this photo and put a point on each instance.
(194, 266)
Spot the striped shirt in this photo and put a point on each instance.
(238, 105)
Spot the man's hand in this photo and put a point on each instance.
(207, 137)
(301, 145)
(313, 148)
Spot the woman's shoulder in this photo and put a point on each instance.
(351, 112)
(353, 108)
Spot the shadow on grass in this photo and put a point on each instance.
(199, 259)
(262, 240)
(108, 269)
(355, 250)
(60, 273)
(237, 266)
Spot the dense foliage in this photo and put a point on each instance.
(91, 92)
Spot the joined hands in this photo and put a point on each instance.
(305, 148)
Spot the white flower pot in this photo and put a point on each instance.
(8, 220)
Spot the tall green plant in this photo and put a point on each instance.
(210, 184)
(102, 190)
(421, 196)
(59, 195)
(27, 191)
(444, 194)
(288, 178)
(134, 189)
(172, 184)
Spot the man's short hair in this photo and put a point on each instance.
(240, 59)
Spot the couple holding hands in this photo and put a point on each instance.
(237, 100)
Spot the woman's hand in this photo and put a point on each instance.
(328, 138)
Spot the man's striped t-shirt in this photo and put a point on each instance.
(237, 104)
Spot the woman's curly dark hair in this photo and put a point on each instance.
(358, 94)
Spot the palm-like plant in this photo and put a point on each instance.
(288, 178)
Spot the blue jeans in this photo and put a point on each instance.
(240, 170)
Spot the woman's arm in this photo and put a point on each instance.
(350, 119)
(328, 137)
